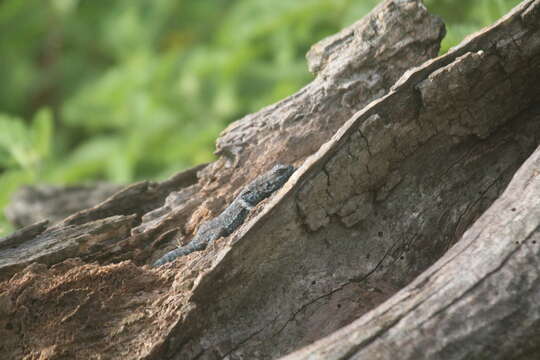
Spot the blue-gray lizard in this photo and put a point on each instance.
(235, 214)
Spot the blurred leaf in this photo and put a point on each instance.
(64, 7)
(15, 139)
(42, 132)
(87, 162)
(9, 182)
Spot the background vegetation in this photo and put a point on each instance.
(139, 89)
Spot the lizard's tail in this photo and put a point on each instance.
(181, 251)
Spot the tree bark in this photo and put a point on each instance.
(419, 148)
(479, 301)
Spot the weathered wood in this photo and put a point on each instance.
(102, 233)
(32, 204)
(58, 243)
(138, 198)
(479, 301)
(21, 235)
(396, 186)
(387, 196)
(354, 67)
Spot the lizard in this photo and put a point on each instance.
(234, 215)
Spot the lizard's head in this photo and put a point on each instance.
(263, 186)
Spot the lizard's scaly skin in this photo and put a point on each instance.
(234, 215)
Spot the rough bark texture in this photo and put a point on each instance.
(398, 183)
(479, 301)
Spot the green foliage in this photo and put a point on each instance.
(464, 17)
(25, 147)
(24, 151)
(130, 89)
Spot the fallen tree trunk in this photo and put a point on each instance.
(395, 187)
(479, 301)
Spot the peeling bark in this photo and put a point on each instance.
(418, 149)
